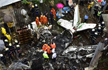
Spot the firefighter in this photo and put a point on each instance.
(7, 53)
(6, 42)
(37, 21)
(54, 12)
(99, 30)
(18, 50)
(12, 49)
(3, 59)
(41, 19)
(45, 20)
(16, 42)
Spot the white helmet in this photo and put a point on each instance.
(103, 22)
(93, 29)
(16, 41)
(7, 49)
(35, 5)
(1, 55)
(10, 44)
(17, 45)
(96, 33)
(6, 40)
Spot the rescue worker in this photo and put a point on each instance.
(94, 37)
(46, 57)
(3, 59)
(18, 50)
(51, 3)
(99, 14)
(12, 49)
(45, 20)
(52, 19)
(9, 21)
(33, 12)
(37, 21)
(45, 46)
(67, 2)
(99, 30)
(86, 17)
(54, 55)
(8, 37)
(46, 14)
(54, 12)
(96, 10)
(6, 42)
(41, 19)
(53, 46)
(7, 53)
(16, 42)
(103, 4)
(91, 5)
(3, 30)
(102, 26)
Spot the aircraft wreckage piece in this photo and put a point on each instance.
(76, 25)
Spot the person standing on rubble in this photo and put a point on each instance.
(54, 55)
(37, 21)
(53, 46)
(51, 17)
(103, 4)
(3, 59)
(41, 19)
(45, 20)
(54, 13)
(46, 57)
(86, 17)
(18, 50)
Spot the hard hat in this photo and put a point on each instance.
(6, 49)
(37, 17)
(17, 45)
(16, 41)
(99, 27)
(32, 6)
(103, 22)
(6, 40)
(10, 44)
(96, 33)
(93, 29)
(35, 5)
(1, 55)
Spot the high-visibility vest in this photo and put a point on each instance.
(3, 30)
(99, 13)
(8, 37)
(45, 55)
(45, 46)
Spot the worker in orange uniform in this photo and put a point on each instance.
(45, 46)
(53, 46)
(41, 19)
(54, 12)
(45, 20)
(37, 21)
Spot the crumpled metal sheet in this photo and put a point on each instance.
(7, 2)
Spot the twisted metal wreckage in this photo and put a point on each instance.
(68, 57)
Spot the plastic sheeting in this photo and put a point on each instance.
(7, 2)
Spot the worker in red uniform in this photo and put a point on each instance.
(53, 46)
(45, 46)
(54, 12)
(37, 21)
(45, 20)
(48, 50)
(41, 19)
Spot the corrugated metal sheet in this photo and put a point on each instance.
(7, 2)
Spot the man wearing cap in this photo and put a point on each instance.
(18, 50)
(3, 59)
(45, 55)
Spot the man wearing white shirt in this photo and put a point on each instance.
(54, 55)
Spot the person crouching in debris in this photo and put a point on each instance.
(46, 57)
